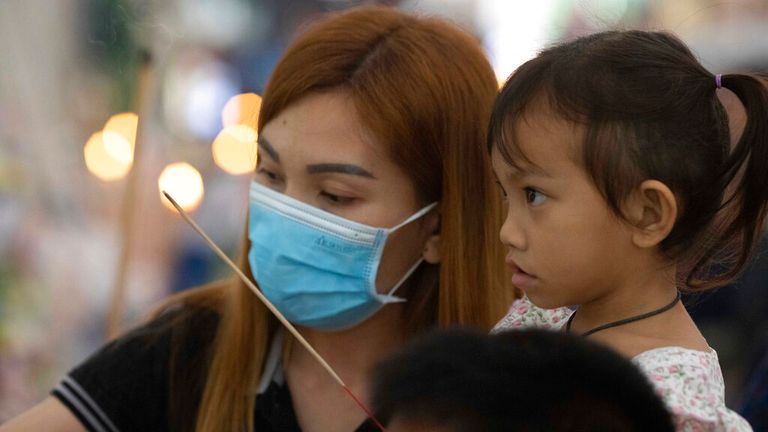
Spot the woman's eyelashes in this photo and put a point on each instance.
(273, 179)
(336, 199)
(269, 176)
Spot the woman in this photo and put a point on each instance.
(373, 118)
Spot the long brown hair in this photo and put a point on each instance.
(649, 110)
(425, 90)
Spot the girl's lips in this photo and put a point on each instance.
(522, 279)
(516, 268)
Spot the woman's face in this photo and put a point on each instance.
(318, 152)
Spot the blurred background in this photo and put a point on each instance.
(87, 246)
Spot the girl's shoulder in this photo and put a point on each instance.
(689, 381)
(524, 314)
(691, 384)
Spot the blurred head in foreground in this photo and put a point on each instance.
(532, 380)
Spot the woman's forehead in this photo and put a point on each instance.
(325, 124)
(325, 128)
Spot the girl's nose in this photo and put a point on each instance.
(512, 233)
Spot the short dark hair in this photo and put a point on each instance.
(520, 380)
(648, 110)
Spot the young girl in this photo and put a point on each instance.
(622, 190)
(367, 121)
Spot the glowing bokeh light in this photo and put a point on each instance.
(242, 109)
(119, 136)
(102, 163)
(184, 183)
(516, 31)
(235, 149)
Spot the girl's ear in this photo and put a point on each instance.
(432, 245)
(652, 212)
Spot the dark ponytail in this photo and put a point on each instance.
(744, 180)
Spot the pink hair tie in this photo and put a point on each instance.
(719, 80)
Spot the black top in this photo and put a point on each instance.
(125, 386)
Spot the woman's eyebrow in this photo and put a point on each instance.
(267, 147)
(339, 168)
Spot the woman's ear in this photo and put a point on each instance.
(432, 245)
(652, 211)
(432, 249)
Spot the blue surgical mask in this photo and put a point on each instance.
(317, 268)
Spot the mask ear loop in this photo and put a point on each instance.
(389, 298)
(413, 217)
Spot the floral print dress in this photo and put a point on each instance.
(690, 382)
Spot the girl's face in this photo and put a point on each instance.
(565, 246)
(318, 152)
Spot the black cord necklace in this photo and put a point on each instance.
(625, 320)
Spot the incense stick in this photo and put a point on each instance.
(272, 308)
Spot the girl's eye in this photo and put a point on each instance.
(534, 197)
(336, 199)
